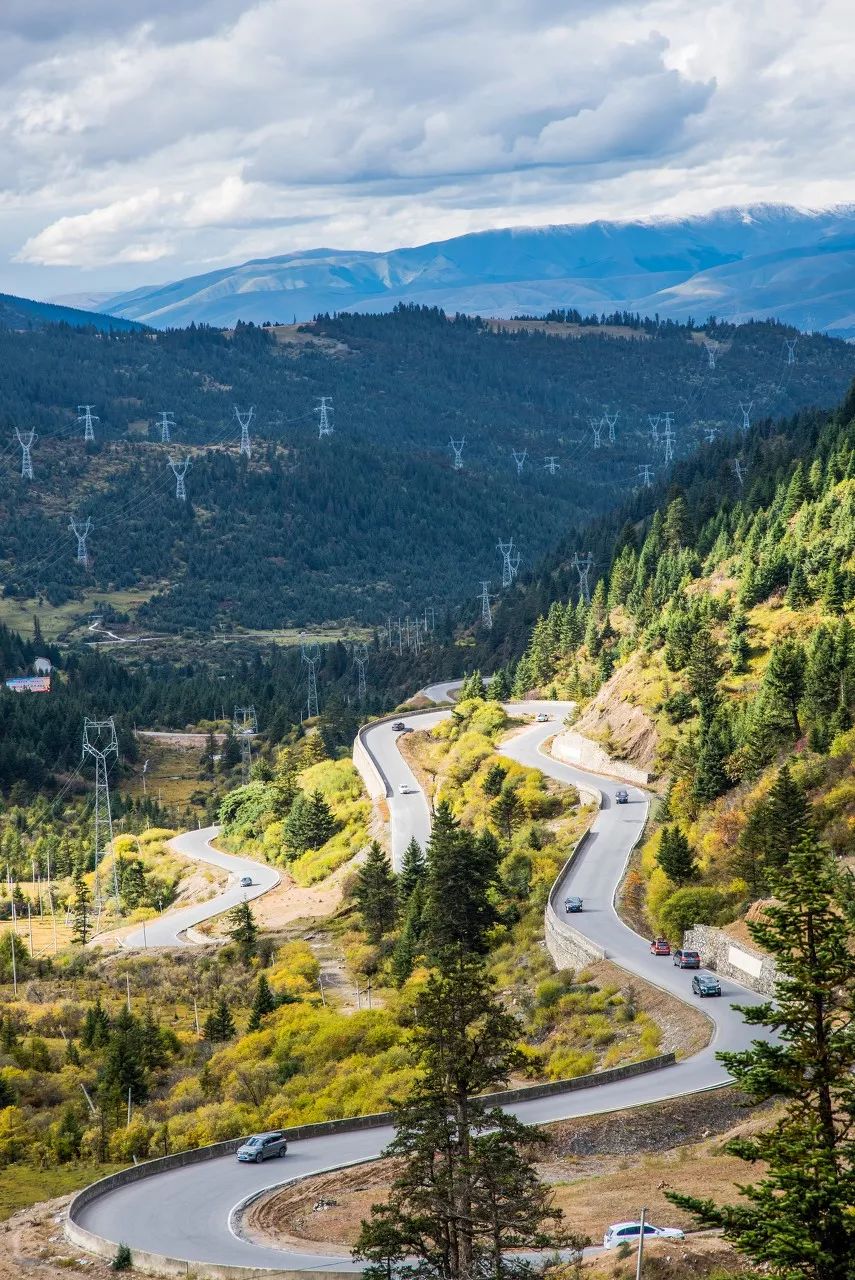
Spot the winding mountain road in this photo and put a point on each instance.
(188, 1213)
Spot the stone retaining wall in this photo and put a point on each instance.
(571, 747)
(732, 959)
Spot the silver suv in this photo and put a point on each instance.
(261, 1146)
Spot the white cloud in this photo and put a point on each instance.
(199, 133)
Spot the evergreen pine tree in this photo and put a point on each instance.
(96, 1026)
(798, 592)
(376, 894)
(703, 673)
(797, 1219)
(412, 873)
(675, 856)
(81, 924)
(507, 811)
(263, 1002)
(407, 947)
(834, 589)
(784, 680)
(494, 779)
(219, 1025)
(461, 872)
(124, 1068)
(243, 931)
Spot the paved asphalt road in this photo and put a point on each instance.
(168, 929)
(185, 1213)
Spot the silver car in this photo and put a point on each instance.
(261, 1146)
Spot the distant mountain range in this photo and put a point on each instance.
(763, 260)
(25, 313)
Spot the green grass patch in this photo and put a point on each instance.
(22, 1184)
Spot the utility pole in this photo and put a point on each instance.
(322, 409)
(360, 658)
(582, 563)
(552, 464)
(505, 550)
(311, 655)
(245, 419)
(81, 533)
(610, 420)
(457, 450)
(745, 410)
(519, 459)
(180, 472)
(597, 428)
(639, 1261)
(26, 459)
(245, 724)
(167, 422)
(790, 345)
(645, 475)
(87, 417)
(486, 611)
(99, 742)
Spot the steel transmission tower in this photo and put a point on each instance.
(583, 563)
(610, 420)
(712, 351)
(519, 459)
(668, 437)
(654, 420)
(245, 725)
(597, 428)
(100, 742)
(745, 410)
(486, 611)
(552, 464)
(457, 450)
(180, 472)
(87, 417)
(645, 475)
(790, 345)
(739, 470)
(167, 422)
(311, 654)
(81, 533)
(506, 550)
(26, 458)
(245, 419)
(322, 409)
(360, 658)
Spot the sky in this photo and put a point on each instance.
(144, 143)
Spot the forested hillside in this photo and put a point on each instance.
(372, 519)
(718, 652)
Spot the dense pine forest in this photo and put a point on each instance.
(372, 519)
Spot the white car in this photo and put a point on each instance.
(542, 717)
(404, 789)
(628, 1232)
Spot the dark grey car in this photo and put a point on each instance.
(261, 1146)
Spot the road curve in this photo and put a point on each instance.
(169, 929)
(186, 1213)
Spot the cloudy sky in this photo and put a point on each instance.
(141, 143)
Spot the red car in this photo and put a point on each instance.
(660, 947)
(687, 959)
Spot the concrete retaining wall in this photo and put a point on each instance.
(571, 747)
(364, 760)
(731, 959)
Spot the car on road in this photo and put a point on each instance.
(684, 959)
(572, 904)
(262, 1146)
(399, 726)
(704, 984)
(622, 796)
(628, 1232)
(246, 882)
(660, 947)
(404, 788)
(542, 717)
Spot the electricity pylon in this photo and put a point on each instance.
(519, 459)
(668, 438)
(582, 563)
(505, 550)
(245, 724)
(610, 420)
(791, 344)
(597, 428)
(322, 409)
(26, 459)
(360, 658)
(180, 472)
(99, 742)
(712, 351)
(457, 450)
(167, 422)
(645, 475)
(310, 651)
(486, 611)
(552, 464)
(81, 533)
(745, 410)
(245, 419)
(87, 417)
(739, 471)
(654, 420)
